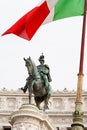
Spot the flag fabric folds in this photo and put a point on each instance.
(66, 8)
(45, 12)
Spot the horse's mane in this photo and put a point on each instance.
(35, 68)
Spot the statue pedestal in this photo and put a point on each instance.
(29, 117)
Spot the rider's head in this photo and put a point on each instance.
(41, 59)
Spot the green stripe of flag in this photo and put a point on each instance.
(68, 8)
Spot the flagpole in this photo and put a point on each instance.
(78, 114)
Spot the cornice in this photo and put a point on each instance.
(18, 92)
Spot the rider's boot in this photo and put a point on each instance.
(24, 89)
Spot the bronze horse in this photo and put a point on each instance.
(35, 85)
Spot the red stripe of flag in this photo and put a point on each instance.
(26, 26)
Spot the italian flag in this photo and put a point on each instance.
(45, 12)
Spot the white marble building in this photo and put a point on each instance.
(61, 107)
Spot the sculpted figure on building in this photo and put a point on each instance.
(38, 81)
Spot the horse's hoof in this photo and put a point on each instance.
(46, 108)
(40, 109)
(23, 90)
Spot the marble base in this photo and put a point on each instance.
(29, 117)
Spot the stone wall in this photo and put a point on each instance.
(61, 106)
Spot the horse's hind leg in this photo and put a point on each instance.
(38, 104)
(46, 105)
(46, 101)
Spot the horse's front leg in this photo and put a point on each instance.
(30, 92)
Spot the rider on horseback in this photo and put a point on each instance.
(44, 72)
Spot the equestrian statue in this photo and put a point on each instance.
(38, 82)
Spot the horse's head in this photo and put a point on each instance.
(29, 65)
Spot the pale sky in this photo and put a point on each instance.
(60, 42)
